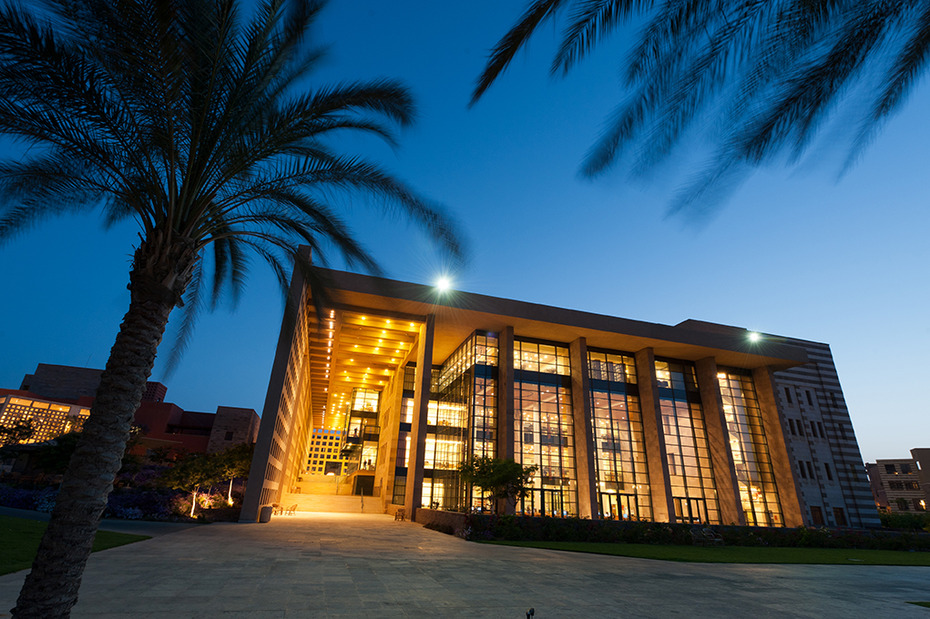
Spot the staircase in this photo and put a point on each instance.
(321, 493)
(342, 503)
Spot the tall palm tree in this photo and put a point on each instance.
(761, 76)
(197, 120)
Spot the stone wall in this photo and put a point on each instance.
(232, 426)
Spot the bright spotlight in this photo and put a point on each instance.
(754, 336)
(443, 284)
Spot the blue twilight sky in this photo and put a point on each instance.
(794, 252)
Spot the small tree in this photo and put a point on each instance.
(233, 463)
(17, 433)
(53, 456)
(500, 478)
(192, 473)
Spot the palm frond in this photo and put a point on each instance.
(757, 78)
(536, 14)
(910, 63)
(589, 23)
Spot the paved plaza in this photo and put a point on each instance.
(363, 565)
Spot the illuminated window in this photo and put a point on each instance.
(461, 420)
(544, 358)
(612, 367)
(749, 449)
(620, 454)
(691, 474)
(544, 431)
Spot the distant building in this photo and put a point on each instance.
(168, 425)
(58, 398)
(901, 485)
(50, 418)
(65, 382)
(325, 456)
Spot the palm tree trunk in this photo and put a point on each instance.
(229, 500)
(51, 588)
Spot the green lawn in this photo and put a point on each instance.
(738, 554)
(19, 539)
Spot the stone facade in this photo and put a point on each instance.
(232, 426)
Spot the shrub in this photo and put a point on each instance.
(139, 504)
(527, 528)
(45, 500)
(442, 528)
(906, 522)
(17, 498)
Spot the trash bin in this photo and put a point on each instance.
(265, 513)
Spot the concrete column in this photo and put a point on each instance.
(505, 406)
(392, 408)
(584, 437)
(414, 492)
(656, 458)
(763, 381)
(505, 384)
(718, 439)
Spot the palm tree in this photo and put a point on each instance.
(195, 119)
(760, 77)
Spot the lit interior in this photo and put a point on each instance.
(353, 350)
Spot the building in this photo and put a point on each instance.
(65, 382)
(50, 419)
(325, 455)
(901, 485)
(166, 425)
(61, 397)
(696, 422)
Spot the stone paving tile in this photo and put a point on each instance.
(354, 565)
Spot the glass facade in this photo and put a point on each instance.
(691, 474)
(462, 421)
(754, 474)
(543, 427)
(622, 475)
(544, 358)
(362, 431)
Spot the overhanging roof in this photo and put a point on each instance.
(458, 313)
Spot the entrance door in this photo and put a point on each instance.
(365, 485)
(544, 502)
(689, 510)
(551, 504)
(618, 506)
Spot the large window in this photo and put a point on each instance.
(539, 357)
(754, 475)
(617, 424)
(463, 420)
(611, 367)
(689, 467)
(544, 429)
